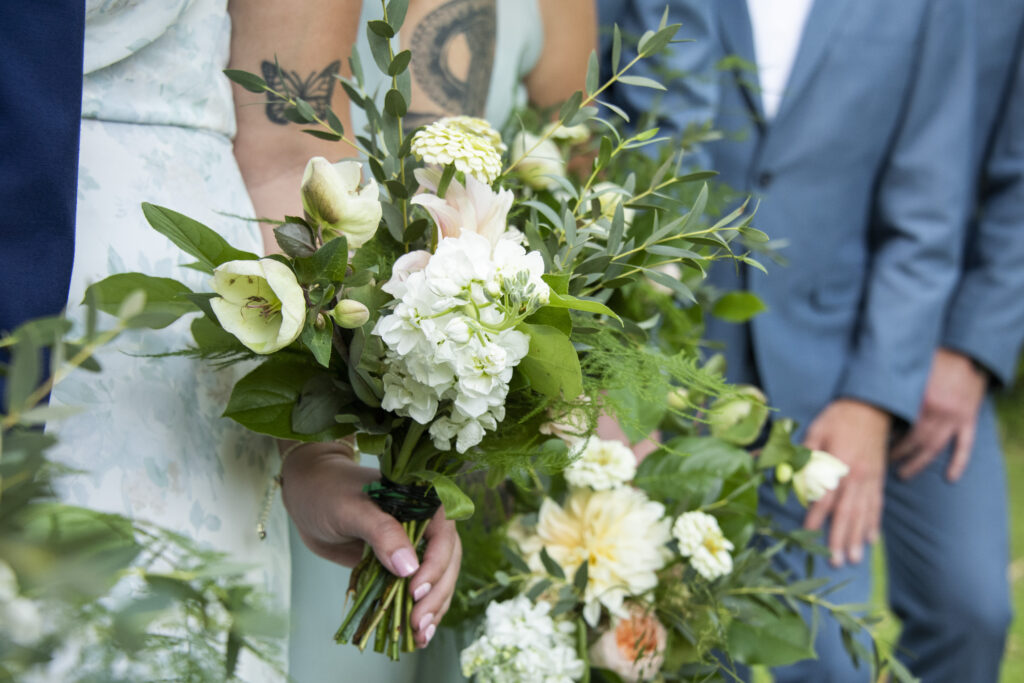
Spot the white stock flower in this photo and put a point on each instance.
(620, 533)
(820, 475)
(701, 540)
(633, 647)
(539, 160)
(473, 207)
(602, 465)
(466, 141)
(260, 302)
(521, 643)
(332, 198)
(451, 344)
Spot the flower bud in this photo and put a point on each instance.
(783, 473)
(678, 399)
(820, 475)
(739, 418)
(542, 159)
(350, 314)
(333, 200)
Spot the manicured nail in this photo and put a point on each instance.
(838, 558)
(430, 632)
(404, 562)
(421, 591)
(856, 554)
(426, 623)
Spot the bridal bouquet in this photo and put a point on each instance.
(437, 303)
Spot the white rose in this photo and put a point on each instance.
(572, 135)
(260, 303)
(544, 160)
(332, 198)
(820, 475)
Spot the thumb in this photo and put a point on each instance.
(390, 544)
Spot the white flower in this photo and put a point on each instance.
(474, 207)
(701, 540)
(20, 618)
(573, 135)
(350, 314)
(602, 465)
(620, 533)
(468, 142)
(539, 159)
(610, 196)
(820, 475)
(521, 643)
(333, 200)
(260, 303)
(450, 339)
(633, 647)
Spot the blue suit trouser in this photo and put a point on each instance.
(947, 552)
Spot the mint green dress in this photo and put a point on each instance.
(318, 586)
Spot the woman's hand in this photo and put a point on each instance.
(323, 492)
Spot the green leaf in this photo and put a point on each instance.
(380, 48)
(319, 403)
(552, 365)
(738, 307)
(396, 10)
(194, 238)
(264, 399)
(305, 110)
(652, 43)
(571, 106)
(295, 240)
(569, 301)
(381, 28)
(372, 444)
(318, 341)
(250, 82)
(642, 82)
(335, 123)
(537, 589)
(580, 578)
(322, 134)
(212, 338)
(593, 74)
(331, 260)
(762, 637)
(457, 505)
(616, 47)
(781, 449)
(400, 63)
(165, 298)
(395, 104)
(550, 565)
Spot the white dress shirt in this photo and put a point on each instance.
(777, 27)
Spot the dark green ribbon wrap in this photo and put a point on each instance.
(404, 502)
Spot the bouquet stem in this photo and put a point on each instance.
(382, 607)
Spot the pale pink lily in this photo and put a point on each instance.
(473, 207)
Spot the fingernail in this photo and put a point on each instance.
(421, 591)
(426, 623)
(856, 554)
(430, 632)
(838, 558)
(404, 561)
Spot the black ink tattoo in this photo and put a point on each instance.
(476, 22)
(317, 88)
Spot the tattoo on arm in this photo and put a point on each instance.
(317, 88)
(471, 21)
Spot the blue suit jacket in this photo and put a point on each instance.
(40, 116)
(986, 314)
(692, 91)
(864, 173)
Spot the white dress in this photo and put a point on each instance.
(157, 124)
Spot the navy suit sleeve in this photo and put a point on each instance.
(986, 316)
(692, 84)
(921, 211)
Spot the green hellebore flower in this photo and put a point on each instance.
(260, 302)
(738, 419)
(350, 314)
(332, 198)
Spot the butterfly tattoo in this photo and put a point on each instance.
(317, 88)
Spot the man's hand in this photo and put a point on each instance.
(323, 492)
(956, 388)
(857, 434)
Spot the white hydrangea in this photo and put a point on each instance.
(451, 342)
(20, 619)
(602, 465)
(701, 540)
(521, 643)
(466, 141)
